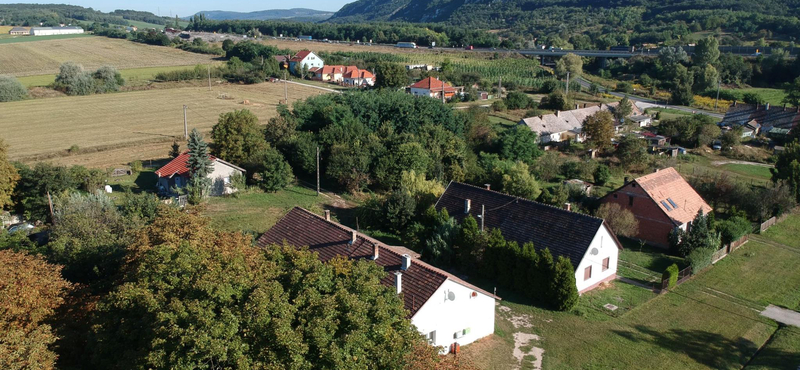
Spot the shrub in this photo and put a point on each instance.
(11, 89)
(734, 228)
(74, 149)
(270, 170)
(624, 87)
(73, 80)
(602, 174)
(107, 79)
(499, 106)
(700, 258)
(753, 98)
(565, 292)
(671, 274)
(518, 100)
(136, 166)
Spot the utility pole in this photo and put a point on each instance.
(50, 201)
(442, 92)
(717, 101)
(285, 89)
(185, 124)
(567, 84)
(317, 171)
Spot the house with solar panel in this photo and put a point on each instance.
(661, 201)
(586, 241)
(443, 307)
(175, 175)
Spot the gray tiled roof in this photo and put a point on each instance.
(742, 114)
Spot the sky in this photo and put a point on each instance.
(185, 8)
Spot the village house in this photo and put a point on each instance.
(19, 31)
(175, 175)
(586, 241)
(51, 31)
(757, 118)
(433, 87)
(307, 59)
(359, 77)
(661, 201)
(444, 308)
(642, 120)
(566, 125)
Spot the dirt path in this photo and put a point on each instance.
(720, 163)
(524, 349)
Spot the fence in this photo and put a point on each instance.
(772, 221)
(683, 275)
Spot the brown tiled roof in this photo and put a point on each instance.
(668, 184)
(300, 56)
(433, 84)
(565, 233)
(329, 239)
(775, 116)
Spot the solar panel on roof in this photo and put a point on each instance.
(663, 203)
(671, 202)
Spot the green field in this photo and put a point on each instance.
(786, 232)
(131, 75)
(711, 321)
(256, 212)
(759, 172)
(20, 39)
(772, 96)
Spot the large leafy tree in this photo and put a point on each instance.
(569, 63)
(31, 290)
(390, 75)
(787, 168)
(632, 152)
(8, 177)
(269, 169)
(793, 93)
(195, 298)
(599, 128)
(200, 166)
(517, 180)
(11, 89)
(623, 109)
(622, 221)
(237, 136)
(520, 144)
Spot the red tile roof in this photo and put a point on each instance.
(300, 56)
(329, 239)
(668, 189)
(178, 166)
(433, 84)
(359, 73)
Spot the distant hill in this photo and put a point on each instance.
(296, 14)
(55, 14)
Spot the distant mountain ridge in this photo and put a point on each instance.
(295, 14)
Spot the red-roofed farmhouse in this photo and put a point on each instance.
(433, 87)
(175, 175)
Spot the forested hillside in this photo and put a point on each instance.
(649, 20)
(55, 14)
(298, 14)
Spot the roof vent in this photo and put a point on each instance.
(406, 262)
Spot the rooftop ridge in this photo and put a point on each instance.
(526, 200)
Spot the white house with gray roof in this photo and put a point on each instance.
(565, 125)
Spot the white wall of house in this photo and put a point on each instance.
(606, 247)
(421, 92)
(440, 319)
(221, 178)
(311, 61)
(50, 32)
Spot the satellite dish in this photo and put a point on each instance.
(451, 296)
(594, 251)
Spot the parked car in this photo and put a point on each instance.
(25, 227)
(470, 47)
(717, 145)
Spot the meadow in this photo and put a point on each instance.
(125, 123)
(132, 76)
(46, 56)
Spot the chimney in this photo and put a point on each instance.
(568, 206)
(376, 251)
(467, 205)
(584, 105)
(577, 106)
(354, 237)
(406, 262)
(327, 215)
(766, 107)
(626, 180)
(398, 282)
(657, 169)
(557, 113)
(488, 186)
(784, 107)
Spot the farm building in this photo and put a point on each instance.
(761, 118)
(585, 240)
(19, 31)
(661, 201)
(50, 31)
(566, 125)
(307, 59)
(443, 307)
(175, 175)
(433, 87)
(641, 120)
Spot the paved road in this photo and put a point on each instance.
(644, 103)
(782, 315)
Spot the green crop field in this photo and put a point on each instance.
(132, 76)
(39, 128)
(45, 57)
(749, 170)
(24, 39)
(711, 321)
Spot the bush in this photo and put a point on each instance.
(73, 80)
(107, 79)
(602, 174)
(671, 274)
(269, 170)
(700, 258)
(733, 229)
(518, 100)
(74, 149)
(136, 166)
(499, 106)
(556, 101)
(753, 98)
(11, 89)
(624, 87)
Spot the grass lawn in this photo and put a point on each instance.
(667, 113)
(772, 96)
(709, 322)
(749, 170)
(502, 121)
(786, 232)
(255, 212)
(782, 352)
(21, 39)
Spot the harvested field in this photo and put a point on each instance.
(43, 129)
(45, 57)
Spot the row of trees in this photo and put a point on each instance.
(72, 79)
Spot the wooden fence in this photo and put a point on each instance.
(772, 221)
(683, 275)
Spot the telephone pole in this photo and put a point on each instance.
(567, 84)
(185, 124)
(285, 89)
(317, 171)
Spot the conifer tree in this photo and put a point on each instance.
(545, 270)
(565, 293)
(199, 167)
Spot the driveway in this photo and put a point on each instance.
(782, 315)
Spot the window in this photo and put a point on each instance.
(432, 337)
(630, 200)
(587, 273)
(606, 262)
(673, 203)
(663, 203)
(615, 195)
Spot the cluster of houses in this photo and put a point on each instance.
(757, 119)
(45, 31)
(339, 74)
